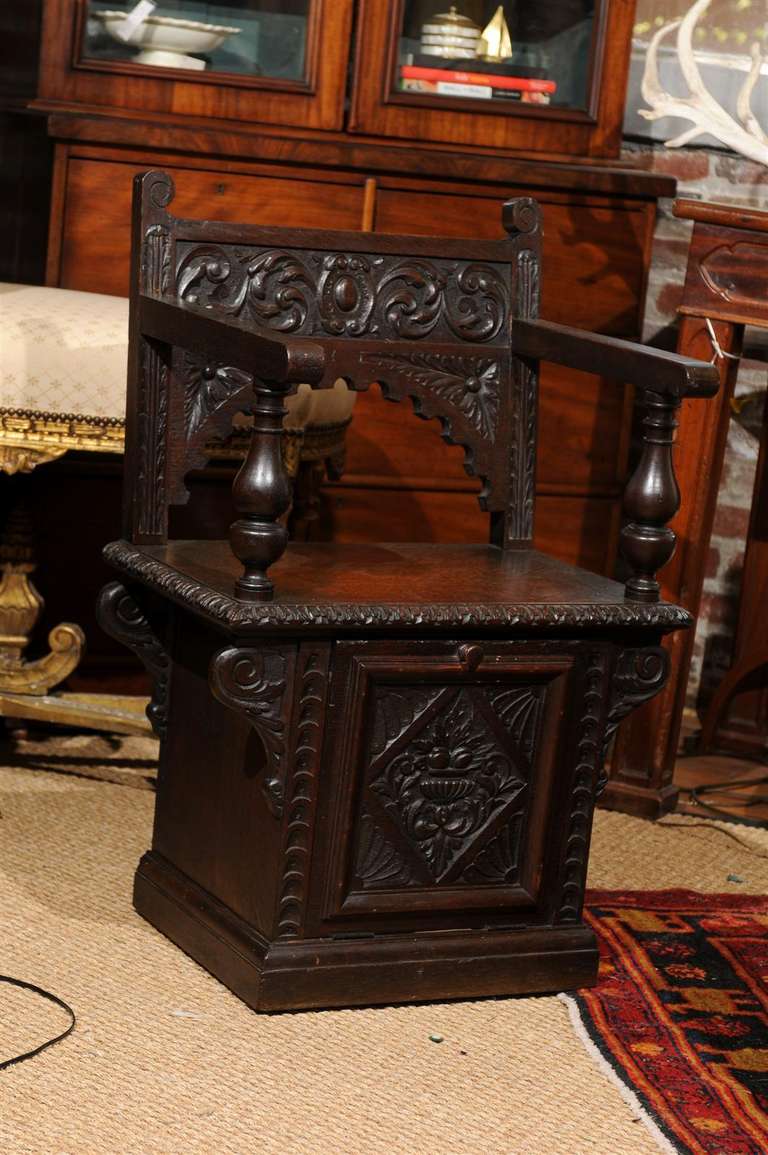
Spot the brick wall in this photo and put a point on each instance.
(711, 175)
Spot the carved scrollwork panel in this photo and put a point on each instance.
(253, 682)
(476, 303)
(310, 293)
(123, 619)
(410, 299)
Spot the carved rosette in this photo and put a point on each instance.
(447, 785)
(253, 682)
(208, 389)
(354, 294)
(123, 619)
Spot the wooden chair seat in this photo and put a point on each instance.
(409, 585)
(379, 763)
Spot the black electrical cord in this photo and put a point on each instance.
(730, 791)
(50, 1042)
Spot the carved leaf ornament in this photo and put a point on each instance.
(450, 771)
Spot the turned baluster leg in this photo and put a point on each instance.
(651, 499)
(261, 494)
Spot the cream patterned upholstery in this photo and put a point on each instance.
(62, 351)
(63, 371)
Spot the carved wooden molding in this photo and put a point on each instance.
(152, 442)
(121, 618)
(253, 682)
(583, 793)
(301, 790)
(307, 293)
(237, 614)
(522, 220)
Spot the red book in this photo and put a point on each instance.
(487, 79)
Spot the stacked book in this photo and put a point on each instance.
(482, 85)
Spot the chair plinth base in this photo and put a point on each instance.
(296, 974)
(348, 814)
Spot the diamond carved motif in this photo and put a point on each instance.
(448, 785)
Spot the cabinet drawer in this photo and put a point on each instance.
(95, 253)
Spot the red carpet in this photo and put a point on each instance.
(680, 1013)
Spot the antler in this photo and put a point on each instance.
(707, 115)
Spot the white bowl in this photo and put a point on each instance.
(165, 41)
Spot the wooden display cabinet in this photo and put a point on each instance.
(571, 45)
(273, 152)
(84, 64)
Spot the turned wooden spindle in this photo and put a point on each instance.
(261, 494)
(651, 499)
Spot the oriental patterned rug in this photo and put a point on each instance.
(679, 1018)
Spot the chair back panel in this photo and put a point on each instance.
(428, 318)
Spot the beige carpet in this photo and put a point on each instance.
(165, 1060)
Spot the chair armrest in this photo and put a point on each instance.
(228, 341)
(628, 362)
(652, 496)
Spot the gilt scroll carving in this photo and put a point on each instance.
(301, 292)
(123, 619)
(253, 682)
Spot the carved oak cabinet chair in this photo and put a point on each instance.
(379, 763)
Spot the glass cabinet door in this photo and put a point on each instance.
(247, 62)
(539, 76)
(506, 55)
(250, 38)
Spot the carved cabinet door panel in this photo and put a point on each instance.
(448, 783)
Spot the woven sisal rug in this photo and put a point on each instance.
(165, 1061)
(680, 1015)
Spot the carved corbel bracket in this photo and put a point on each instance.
(253, 683)
(121, 618)
(638, 676)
